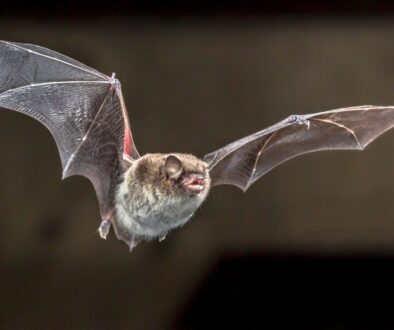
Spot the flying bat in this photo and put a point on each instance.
(145, 197)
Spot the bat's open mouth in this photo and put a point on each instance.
(194, 182)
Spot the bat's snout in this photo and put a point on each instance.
(194, 182)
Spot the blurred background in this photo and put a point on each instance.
(309, 246)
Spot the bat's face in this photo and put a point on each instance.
(185, 175)
(174, 175)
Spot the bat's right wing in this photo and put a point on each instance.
(81, 107)
(244, 161)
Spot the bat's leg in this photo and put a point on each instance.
(104, 228)
(125, 235)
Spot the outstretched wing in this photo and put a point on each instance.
(244, 161)
(82, 108)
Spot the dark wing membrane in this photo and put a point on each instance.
(244, 161)
(82, 108)
(99, 156)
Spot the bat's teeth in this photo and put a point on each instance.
(193, 179)
(194, 182)
(196, 187)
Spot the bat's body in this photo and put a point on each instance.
(145, 197)
(156, 196)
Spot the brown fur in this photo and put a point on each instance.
(150, 204)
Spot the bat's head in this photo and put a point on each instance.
(185, 174)
(174, 174)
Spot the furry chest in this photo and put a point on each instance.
(149, 217)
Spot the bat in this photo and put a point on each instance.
(145, 197)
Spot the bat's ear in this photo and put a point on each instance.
(173, 167)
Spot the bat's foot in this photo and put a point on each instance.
(162, 238)
(300, 120)
(104, 228)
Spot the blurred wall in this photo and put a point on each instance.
(193, 86)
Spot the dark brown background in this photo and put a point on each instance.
(195, 79)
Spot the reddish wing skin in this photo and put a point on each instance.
(82, 108)
(244, 161)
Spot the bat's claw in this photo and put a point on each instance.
(104, 228)
(115, 81)
(300, 120)
(162, 238)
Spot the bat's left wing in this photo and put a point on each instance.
(81, 107)
(244, 161)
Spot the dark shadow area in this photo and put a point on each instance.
(294, 292)
(183, 9)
